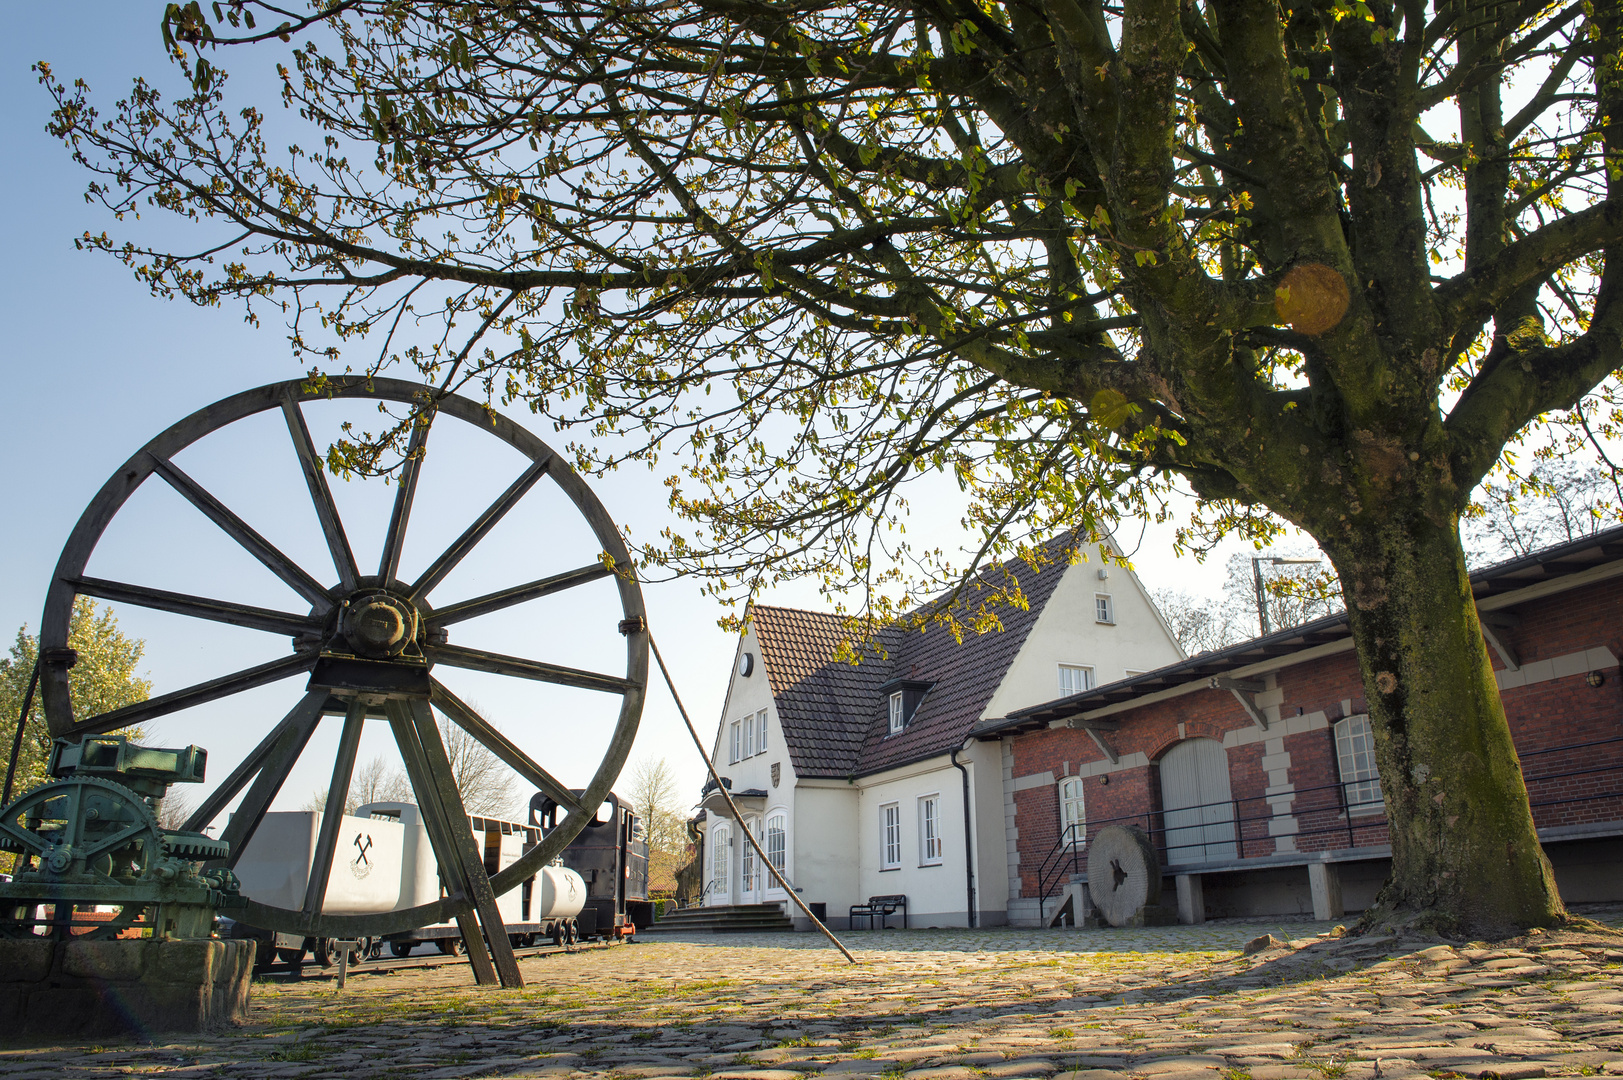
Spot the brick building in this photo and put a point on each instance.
(1252, 767)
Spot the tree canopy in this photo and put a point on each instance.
(1323, 259)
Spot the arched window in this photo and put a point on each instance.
(1073, 815)
(1355, 755)
(721, 857)
(777, 841)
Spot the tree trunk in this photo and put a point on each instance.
(1466, 860)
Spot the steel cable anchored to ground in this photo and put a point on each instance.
(777, 875)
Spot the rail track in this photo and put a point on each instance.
(309, 968)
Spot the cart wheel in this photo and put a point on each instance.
(450, 946)
(400, 948)
(323, 953)
(291, 957)
(569, 933)
(370, 642)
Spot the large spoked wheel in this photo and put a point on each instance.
(369, 644)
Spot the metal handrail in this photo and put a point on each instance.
(1066, 852)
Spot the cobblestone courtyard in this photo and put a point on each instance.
(1168, 1003)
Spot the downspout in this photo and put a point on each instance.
(969, 838)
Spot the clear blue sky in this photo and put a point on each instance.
(94, 367)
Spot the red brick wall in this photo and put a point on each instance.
(1556, 713)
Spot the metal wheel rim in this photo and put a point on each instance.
(103, 508)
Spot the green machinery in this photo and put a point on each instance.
(90, 839)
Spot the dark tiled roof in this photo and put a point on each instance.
(1552, 563)
(831, 713)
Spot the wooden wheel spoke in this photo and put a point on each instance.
(498, 744)
(297, 728)
(198, 607)
(518, 594)
(518, 667)
(476, 532)
(394, 540)
(221, 797)
(244, 534)
(214, 689)
(315, 477)
(332, 815)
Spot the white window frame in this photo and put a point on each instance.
(897, 722)
(1067, 685)
(1104, 609)
(749, 878)
(1073, 809)
(777, 841)
(890, 836)
(930, 829)
(721, 863)
(1355, 764)
(760, 732)
(749, 735)
(733, 746)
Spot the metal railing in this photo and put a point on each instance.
(1340, 815)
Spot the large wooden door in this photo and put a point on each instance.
(1196, 803)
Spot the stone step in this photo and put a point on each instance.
(735, 919)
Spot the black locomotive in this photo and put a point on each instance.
(611, 856)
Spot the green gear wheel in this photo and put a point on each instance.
(195, 847)
(82, 826)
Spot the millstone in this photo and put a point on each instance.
(1124, 873)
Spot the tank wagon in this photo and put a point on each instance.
(611, 856)
(384, 862)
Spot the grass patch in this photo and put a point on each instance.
(1062, 1033)
(303, 1052)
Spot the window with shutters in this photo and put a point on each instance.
(749, 735)
(760, 732)
(890, 836)
(1355, 756)
(735, 741)
(1104, 610)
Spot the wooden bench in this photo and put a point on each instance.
(880, 907)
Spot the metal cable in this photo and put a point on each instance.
(17, 743)
(760, 855)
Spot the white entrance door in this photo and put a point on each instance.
(1196, 802)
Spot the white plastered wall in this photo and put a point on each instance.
(1067, 632)
(936, 893)
(749, 696)
(824, 845)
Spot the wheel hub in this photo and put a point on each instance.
(378, 624)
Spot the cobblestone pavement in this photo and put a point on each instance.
(1166, 1003)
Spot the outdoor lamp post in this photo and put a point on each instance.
(1256, 576)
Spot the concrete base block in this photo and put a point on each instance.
(1154, 915)
(52, 989)
(1191, 900)
(1324, 882)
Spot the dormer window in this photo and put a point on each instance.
(902, 697)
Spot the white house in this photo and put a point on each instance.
(861, 780)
